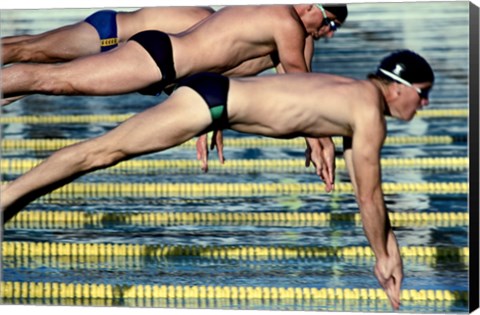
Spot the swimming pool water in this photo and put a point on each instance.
(439, 31)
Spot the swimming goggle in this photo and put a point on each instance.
(327, 21)
(423, 93)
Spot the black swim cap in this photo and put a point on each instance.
(406, 65)
(339, 10)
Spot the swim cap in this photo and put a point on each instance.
(405, 65)
(339, 10)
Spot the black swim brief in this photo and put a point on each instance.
(105, 22)
(159, 46)
(213, 88)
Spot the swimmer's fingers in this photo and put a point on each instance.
(392, 293)
(326, 174)
(395, 288)
(217, 140)
(314, 156)
(318, 163)
(329, 173)
(390, 280)
(328, 153)
(396, 292)
(202, 152)
(326, 177)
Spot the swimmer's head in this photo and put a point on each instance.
(405, 65)
(339, 10)
(405, 68)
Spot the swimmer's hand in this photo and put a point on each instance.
(202, 152)
(314, 154)
(328, 154)
(217, 141)
(202, 148)
(389, 272)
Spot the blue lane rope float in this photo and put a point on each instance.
(245, 166)
(244, 142)
(72, 119)
(47, 290)
(49, 219)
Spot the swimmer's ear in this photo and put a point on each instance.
(395, 89)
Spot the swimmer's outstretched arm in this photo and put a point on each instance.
(363, 162)
(156, 129)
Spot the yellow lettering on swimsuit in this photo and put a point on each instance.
(109, 42)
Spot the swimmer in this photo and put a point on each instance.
(275, 35)
(303, 104)
(101, 31)
(151, 60)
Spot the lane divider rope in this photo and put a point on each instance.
(59, 119)
(80, 219)
(126, 262)
(223, 303)
(19, 249)
(250, 165)
(108, 291)
(241, 189)
(245, 142)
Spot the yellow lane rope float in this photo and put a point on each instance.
(246, 142)
(132, 262)
(19, 249)
(245, 166)
(240, 189)
(108, 291)
(81, 219)
(70, 119)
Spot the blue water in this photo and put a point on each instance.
(438, 31)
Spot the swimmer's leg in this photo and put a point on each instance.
(15, 38)
(62, 44)
(122, 70)
(181, 117)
